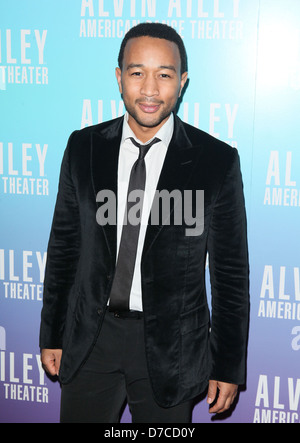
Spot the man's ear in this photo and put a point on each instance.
(119, 78)
(184, 78)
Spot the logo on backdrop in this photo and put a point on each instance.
(194, 19)
(23, 169)
(281, 186)
(280, 300)
(22, 275)
(277, 400)
(22, 377)
(22, 57)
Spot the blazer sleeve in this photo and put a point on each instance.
(62, 257)
(229, 275)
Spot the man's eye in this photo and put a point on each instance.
(165, 76)
(137, 74)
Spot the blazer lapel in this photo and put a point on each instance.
(105, 147)
(177, 168)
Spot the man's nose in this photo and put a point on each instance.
(150, 87)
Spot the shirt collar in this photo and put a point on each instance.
(164, 134)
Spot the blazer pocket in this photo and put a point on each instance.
(194, 328)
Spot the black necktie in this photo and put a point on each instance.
(121, 287)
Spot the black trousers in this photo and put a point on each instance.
(116, 371)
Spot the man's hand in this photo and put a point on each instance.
(50, 359)
(227, 394)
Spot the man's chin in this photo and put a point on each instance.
(150, 121)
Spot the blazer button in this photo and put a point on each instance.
(99, 311)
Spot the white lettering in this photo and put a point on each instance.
(26, 159)
(27, 264)
(24, 45)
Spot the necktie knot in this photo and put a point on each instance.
(144, 148)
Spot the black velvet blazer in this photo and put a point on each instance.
(186, 344)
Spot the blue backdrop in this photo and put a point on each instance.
(57, 62)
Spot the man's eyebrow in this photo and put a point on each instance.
(171, 67)
(137, 65)
(134, 65)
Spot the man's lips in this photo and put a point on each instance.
(149, 108)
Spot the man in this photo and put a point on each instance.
(125, 313)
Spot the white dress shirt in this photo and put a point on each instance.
(154, 161)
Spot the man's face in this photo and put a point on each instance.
(150, 82)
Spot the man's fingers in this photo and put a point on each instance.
(227, 394)
(223, 403)
(49, 366)
(51, 360)
(212, 391)
(57, 363)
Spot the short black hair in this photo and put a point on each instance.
(155, 30)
